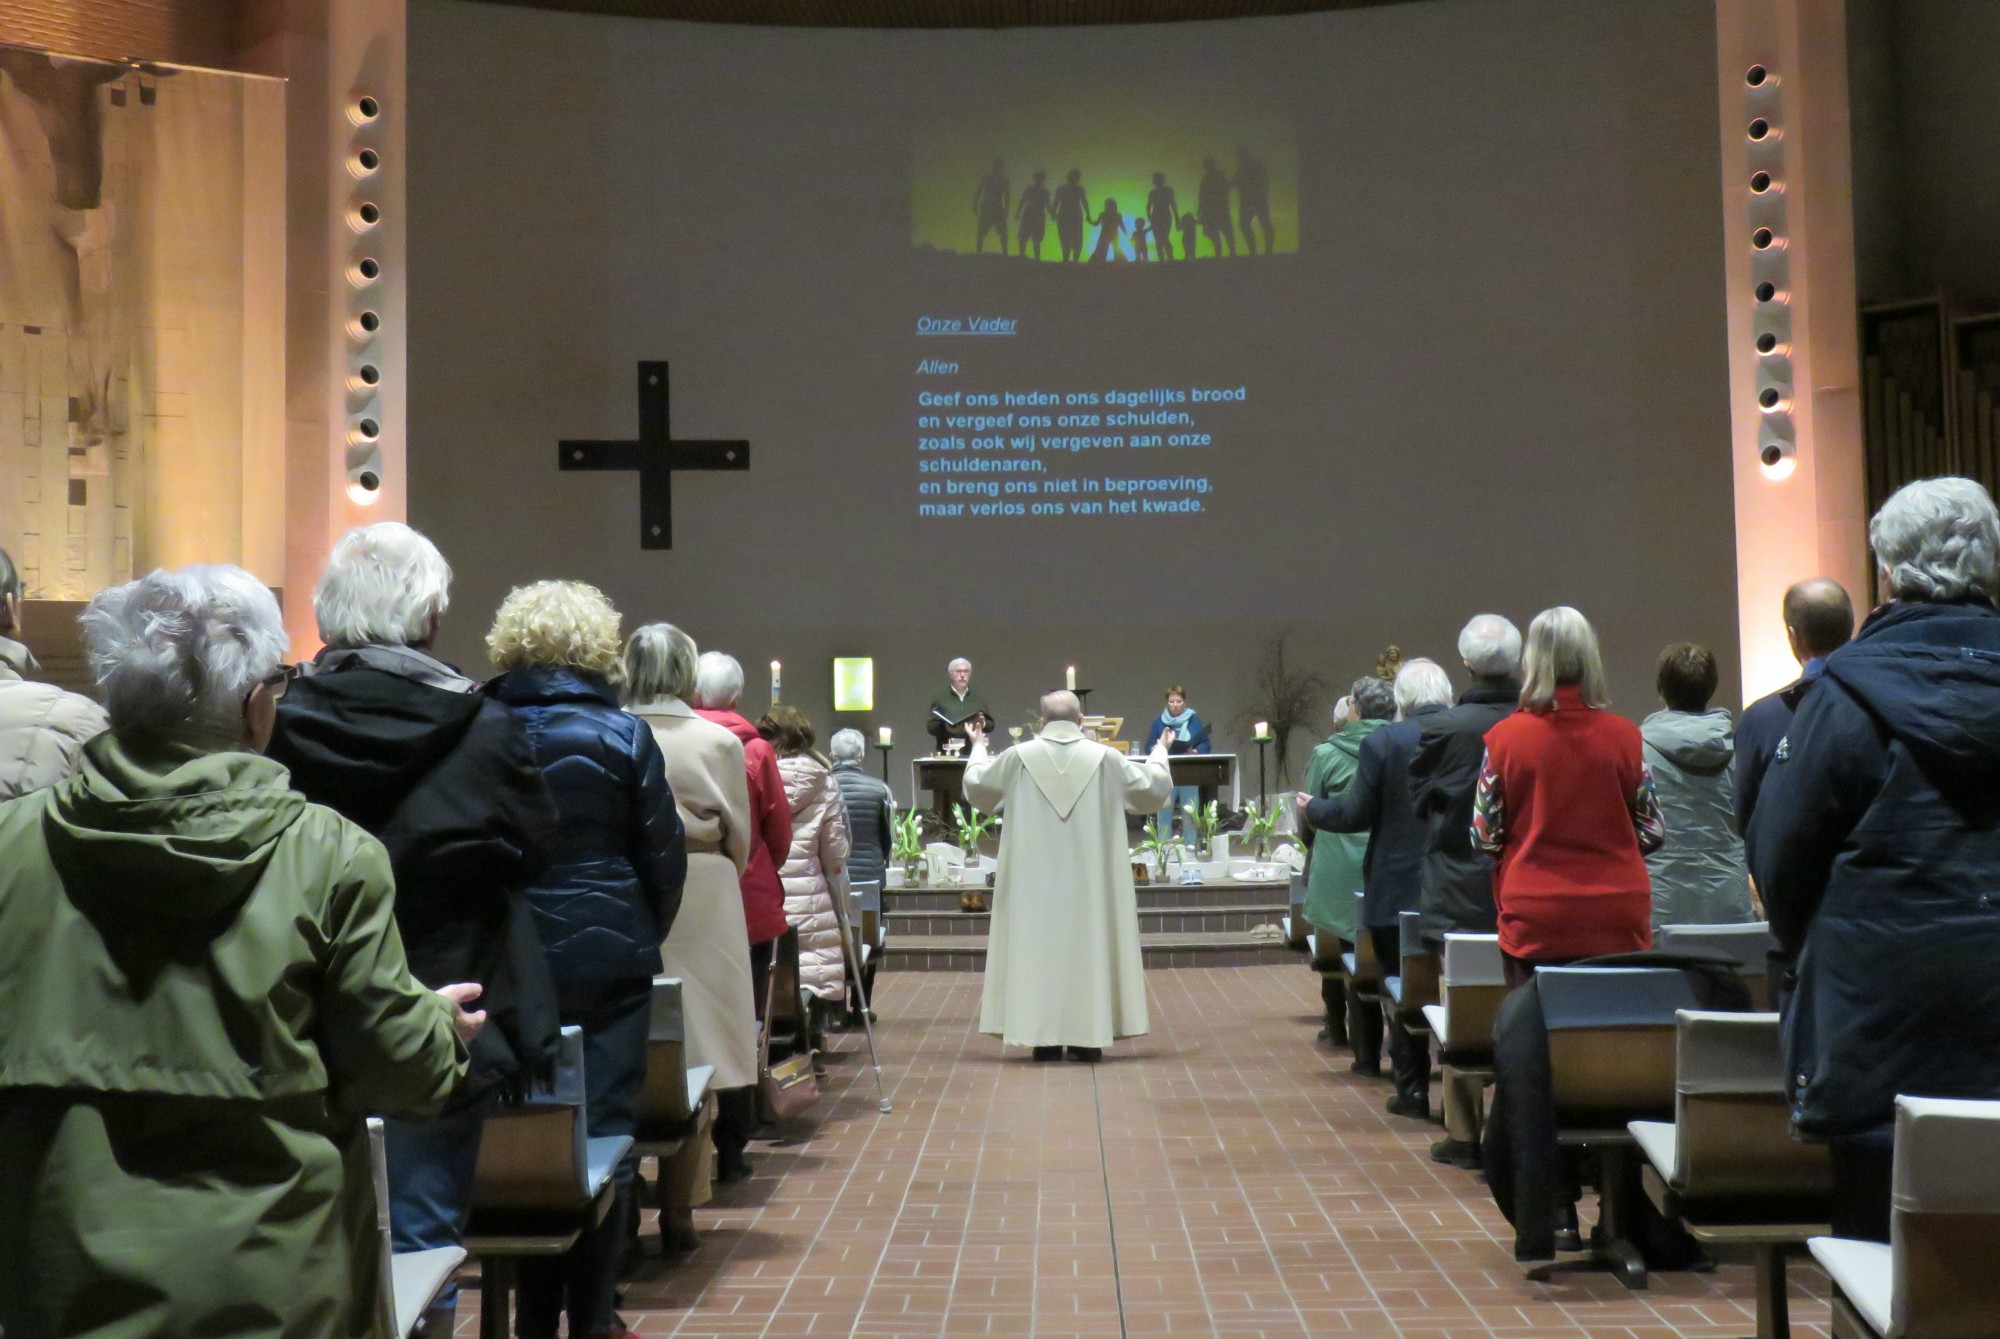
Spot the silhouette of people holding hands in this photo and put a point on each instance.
(1032, 218)
(1189, 229)
(1110, 232)
(1161, 207)
(1212, 204)
(1069, 209)
(989, 205)
(1140, 230)
(1253, 198)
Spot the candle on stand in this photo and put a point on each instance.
(1069, 678)
(1263, 730)
(884, 736)
(775, 680)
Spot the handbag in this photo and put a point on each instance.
(790, 1087)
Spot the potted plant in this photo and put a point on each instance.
(1207, 821)
(906, 832)
(1160, 845)
(1259, 826)
(972, 825)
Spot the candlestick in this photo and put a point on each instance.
(885, 736)
(776, 679)
(1069, 678)
(1262, 730)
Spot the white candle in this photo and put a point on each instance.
(1069, 678)
(775, 680)
(885, 736)
(1263, 730)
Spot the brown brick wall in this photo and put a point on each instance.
(183, 32)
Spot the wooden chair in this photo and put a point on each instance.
(1471, 986)
(1415, 984)
(1360, 965)
(1611, 1061)
(1727, 1165)
(791, 1027)
(1298, 932)
(1939, 1278)
(1750, 944)
(865, 915)
(540, 1179)
(676, 1113)
(410, 1280)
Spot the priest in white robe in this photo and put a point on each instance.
(1062, 958)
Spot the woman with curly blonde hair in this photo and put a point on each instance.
(605, 902)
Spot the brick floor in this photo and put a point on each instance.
(1222, 1176)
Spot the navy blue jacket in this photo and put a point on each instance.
(1378, 802)
(1876, 844)
(613, 884)
(1198, 735)
(1758, 730)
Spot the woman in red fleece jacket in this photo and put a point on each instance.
(1566, 805)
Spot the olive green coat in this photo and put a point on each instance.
(1333, 876)
(201, 992)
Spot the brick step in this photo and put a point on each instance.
(967, 953)
(1152, 897)
(1238, 919)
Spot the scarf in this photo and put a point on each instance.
(1180, 724)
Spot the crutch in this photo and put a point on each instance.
(850, 946)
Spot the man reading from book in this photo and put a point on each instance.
(957, 706)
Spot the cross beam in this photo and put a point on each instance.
(656, 455)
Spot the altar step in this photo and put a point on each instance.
(1236, 919)
(967, 953)
(1154, 896)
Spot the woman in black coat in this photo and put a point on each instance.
(1876, 846)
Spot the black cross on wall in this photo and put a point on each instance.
(655, 455)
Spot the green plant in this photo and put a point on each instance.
(1259, 826)
(906, 833)
(1160, 845)
(972, 825)
(1207, 820)
(1284, 695)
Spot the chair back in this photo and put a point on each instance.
(1471, 987)
(867, 894)
(1419, 966)
(1368, 969)
(1611, 1041)
(663, 1099)
(790, 1019)
(385, 1263)
(1944, 1227)
(536, 1155)
(1749, 943)
(1732, 1113)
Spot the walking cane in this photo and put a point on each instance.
(850, 945)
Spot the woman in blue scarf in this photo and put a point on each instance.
(1186, 733)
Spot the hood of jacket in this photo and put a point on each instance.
(733, 721)
(806, 779)
(1930, 676)
(168, 831)
(544, 685)
(1700, 742)
(361, 738)
(1348, 738)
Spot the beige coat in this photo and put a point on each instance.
(42, 728)
(709, 946)
(1063, 966)
(820, 847)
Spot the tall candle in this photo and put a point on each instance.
(1263, 730)
(776, 680)
(885, 736)
(1069, 678)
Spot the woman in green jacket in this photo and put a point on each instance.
(1333, 875)
(202, 992)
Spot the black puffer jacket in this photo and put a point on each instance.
(406, 748)
(1458, 880)
(869, 817)
(611, 893)
(1876, 844)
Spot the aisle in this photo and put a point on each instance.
(1222, 1176)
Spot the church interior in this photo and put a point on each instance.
(1289, 668)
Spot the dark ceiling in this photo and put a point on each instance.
(942, 13)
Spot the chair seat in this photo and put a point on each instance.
(601, 1159)
(1347, 963)
(1864, 1273)
(1656, 1141)
(1312, 942)
(1437, 1020)
(698, 1080)
(419, 1276)
(1394, 986)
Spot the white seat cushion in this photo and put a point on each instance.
(1436, 1019)
(1656, 1141)
(698, 1080)
(1864, 1273)
(418, 1276)
(601, 1158)
(1347, 963)
(1394, 985)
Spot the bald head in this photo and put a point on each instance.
(1819, 617)
(1062, 705)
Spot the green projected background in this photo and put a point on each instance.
(1114, 148)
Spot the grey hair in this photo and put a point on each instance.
(383, 584)
(1938, 539)
(956, 662)
(718, 682)
(847, 746)
(1421, 683)
(1562, 649)
(659, 663)
(1490, 646)
(177, 653)
(10, 587)
(1374, 699)
(1062, 705)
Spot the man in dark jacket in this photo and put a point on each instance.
(406, 747)
(870, 822)
(1378, 803)
(1876, 844)
(1819, 619)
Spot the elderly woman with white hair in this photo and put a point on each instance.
(871, 815)
(1378, 803)
(205, 991)
(384, 733)
(1876, 845)
(709, 947)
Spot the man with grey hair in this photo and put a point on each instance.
(42, 728)
(870, 823)
(1457, 879)
(1063, 966)
(382, 732)
(957, 709)
(1876, 845)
